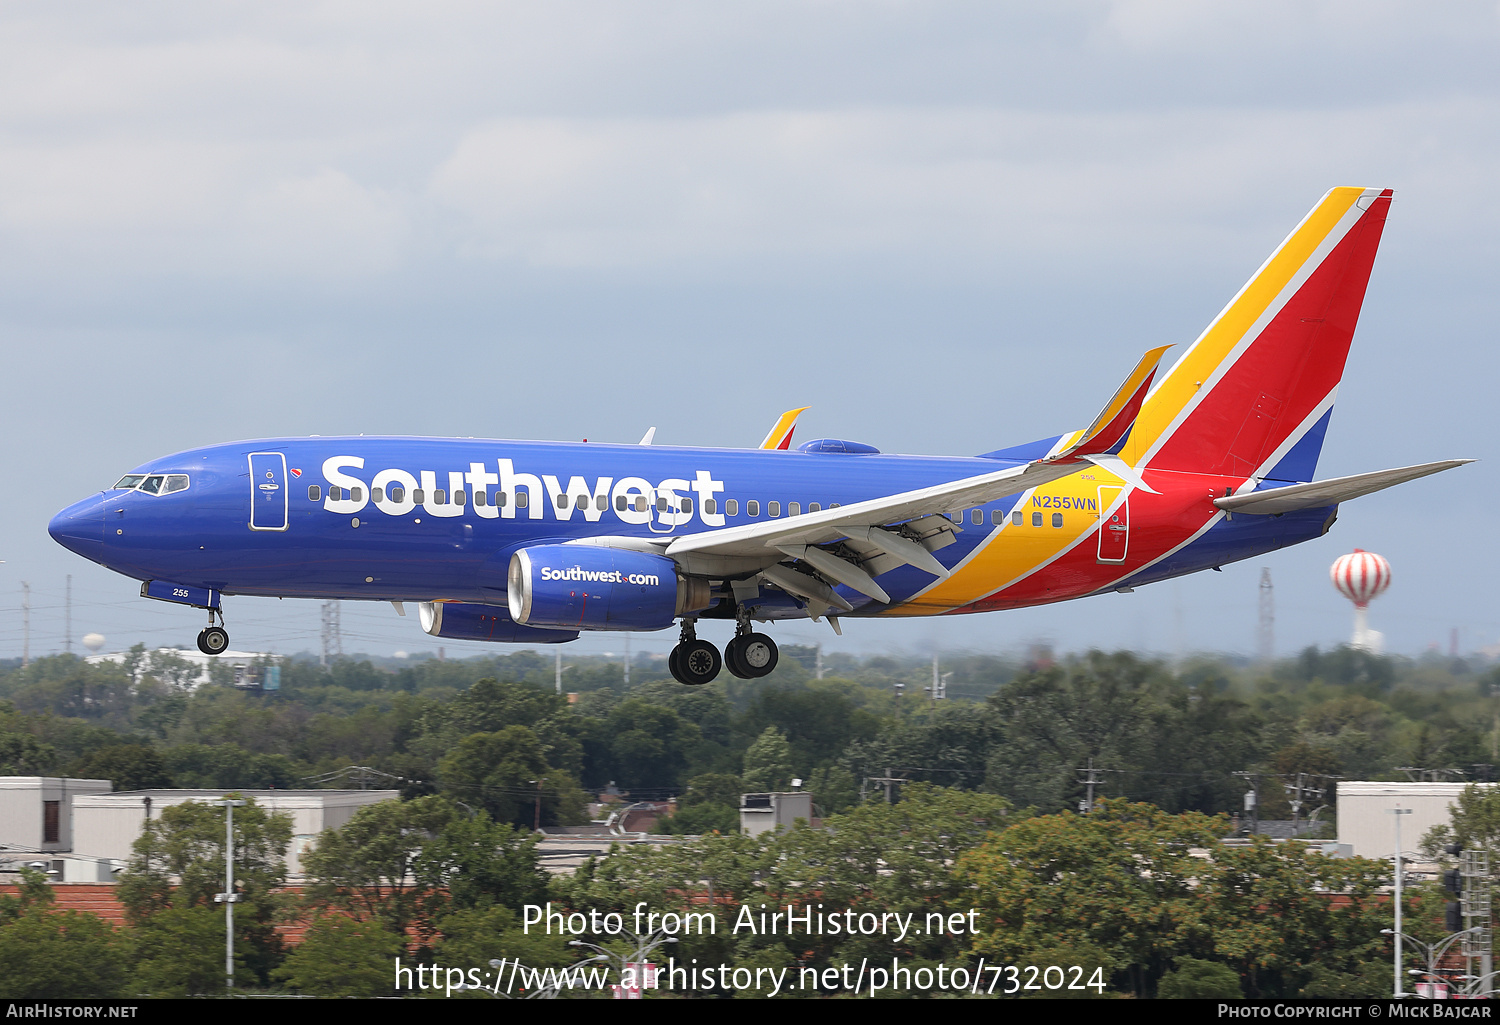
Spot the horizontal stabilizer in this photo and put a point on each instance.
(1328, 492)
(1112, 426)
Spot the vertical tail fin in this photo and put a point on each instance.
(1253, 395)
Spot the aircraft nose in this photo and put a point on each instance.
(80, 527)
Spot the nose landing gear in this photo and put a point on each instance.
(213, 640)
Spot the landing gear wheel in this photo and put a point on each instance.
(672, 663)
(751, 656)
(214, 640)
(697, 663)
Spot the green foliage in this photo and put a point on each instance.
(768, 762)
(342, 957)
(506, 773)
(45, 953)
(178, 866)
(179, 952)
(368, 868)
(1193, 979)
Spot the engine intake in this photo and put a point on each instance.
(582, 587)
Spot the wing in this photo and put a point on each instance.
(1328, 492)
(901, 529)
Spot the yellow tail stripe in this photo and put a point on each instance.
(778, 433)
(1221, 337)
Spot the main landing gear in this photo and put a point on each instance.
(213, 640)
(749, 655)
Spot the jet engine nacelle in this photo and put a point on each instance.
(582, 587)
(464, 621)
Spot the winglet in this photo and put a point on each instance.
(1112, 426)
(780, 436)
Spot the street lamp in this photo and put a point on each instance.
(1398, 811)
(644, 946)
(1433, 951)
(228, 898)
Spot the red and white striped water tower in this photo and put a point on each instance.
(1362, 576)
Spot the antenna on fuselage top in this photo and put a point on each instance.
(647, 438)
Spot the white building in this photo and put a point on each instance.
(765, 813)
(1367, 824)
(107, 825)
(35, 811)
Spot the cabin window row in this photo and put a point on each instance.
(685, 505)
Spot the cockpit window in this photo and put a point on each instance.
(154, 484)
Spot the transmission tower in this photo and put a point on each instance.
(1267, 638)
(333, 641)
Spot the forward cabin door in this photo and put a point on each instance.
(1114, 528)
(268, 491)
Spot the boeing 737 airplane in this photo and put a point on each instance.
(534, 542)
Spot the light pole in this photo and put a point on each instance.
(228, 897)
(644, 946)
(1398, 811)
(1433, 951)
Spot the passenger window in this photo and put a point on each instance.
(833, 505)
(976, 516)
(1057, 519)
(314, 493)
(996, 517)
(562, 501)
(773, 508)
(481, 497)
(1015, 518)
(661, 505)
(176, 482)
(417, 496)
(151, 485)
(523, 499)
(439, 497)
(377, 495)
(602, 503)
(640, 503)
(687, 505)
(619, 503)
(1036, 519)
(501, 497)
(752, 508)
(460, 497)
(710, 506)
(793, 508)
(813, 507)
(357, 495)
(731, 506)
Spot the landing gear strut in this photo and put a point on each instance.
(213, 640)
(750, 655)
(692, 661)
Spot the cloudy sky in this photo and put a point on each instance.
(258, 219)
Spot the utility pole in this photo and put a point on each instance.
(68, 617)
(1090, 778)
(890, 780)
(1267, 638)
(25, 624)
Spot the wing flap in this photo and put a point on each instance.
(1328, 492)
